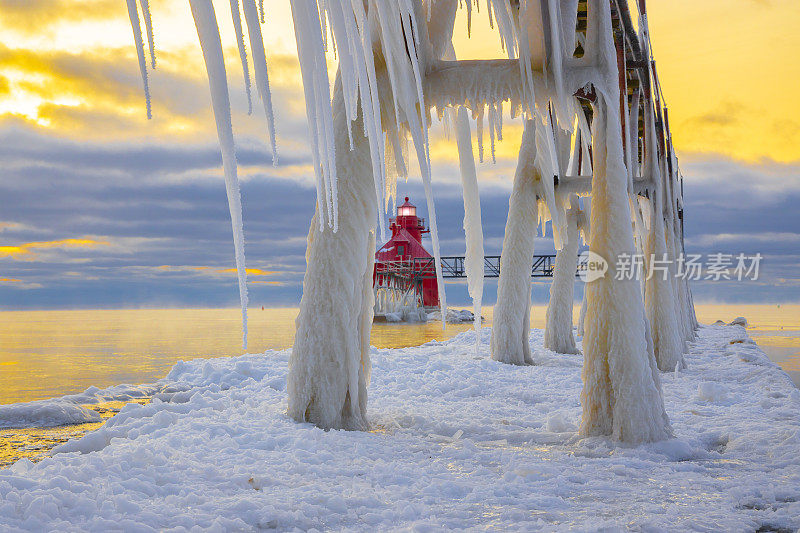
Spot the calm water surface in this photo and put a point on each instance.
(47, 354)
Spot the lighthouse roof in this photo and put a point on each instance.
(407, 204)
(388, 252)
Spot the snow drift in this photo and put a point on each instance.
(441, 453)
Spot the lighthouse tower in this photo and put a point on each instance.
(402, 265)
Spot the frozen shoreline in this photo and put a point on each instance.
(457, 442)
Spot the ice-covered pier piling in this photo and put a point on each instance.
(583, 79)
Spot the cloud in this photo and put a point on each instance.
(26, 250)
(250, 271)
(37, 15)
(79, 158)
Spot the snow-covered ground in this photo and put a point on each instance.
(458, 441)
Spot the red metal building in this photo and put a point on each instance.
(402, 265)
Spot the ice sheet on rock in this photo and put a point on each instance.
(70, 409)
(45, 413)
(739, 321)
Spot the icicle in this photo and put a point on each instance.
(133, 14)
(473, 229)
(492, 128)
(148, 25)
(208, 33)
(500, 121)
(469, 17)
(237, 26)
(310, 50)
(260, 70)
(479, 133)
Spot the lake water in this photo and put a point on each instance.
(47, 354)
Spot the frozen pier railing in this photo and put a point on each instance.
(453, 267)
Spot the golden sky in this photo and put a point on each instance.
(728, 71)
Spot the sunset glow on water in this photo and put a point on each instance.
(45, 354)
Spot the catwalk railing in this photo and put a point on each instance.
(453, 267)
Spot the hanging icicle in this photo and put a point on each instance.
(237, 27)
(205, 20)
(148, 25)
(260, 71)
(133, 14)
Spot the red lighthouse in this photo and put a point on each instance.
(402, 265)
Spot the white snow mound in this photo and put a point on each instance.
(47, 413)
(739, 321)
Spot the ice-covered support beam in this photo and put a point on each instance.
(511, 324)
(473, 82)
(205, 21)
(329, 367)
(621, 395)
(558, 335)
(661, 303)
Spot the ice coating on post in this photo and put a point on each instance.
(511, 325)
(660, 299)
(621, 397)
(329, 365)
(558, 335)
(259, 69)
(133, 14)
(148, 25)
(205, 21)
(237, 27)
(473, 228)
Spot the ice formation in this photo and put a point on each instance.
(148, 25)
(509, 342)
(260, 70)
(133, 14)
(237, 28)
(395, 64)
(622, 390)
(329, 367)
(222, 455)
(207, 31)
(558, 329)
(660, 300)
(473, 229)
